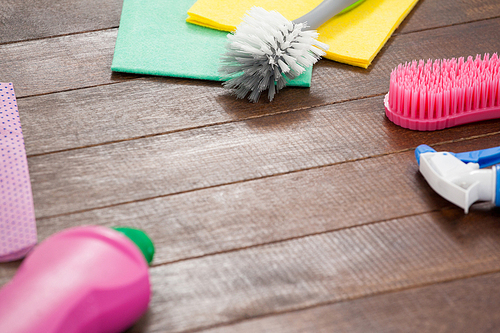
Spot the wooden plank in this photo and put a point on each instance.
(251, 213)
(7, 271)
(323, 269)
(454, 41)
(335, 263)
(184, 161)
(349, 264)
(267, 210)
(30, 19)
(459, 306)
(161, 105)
(46, 18)
(77, 61)
(429, 14)
(63, 63)
(133, 109)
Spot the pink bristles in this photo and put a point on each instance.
(428, 96)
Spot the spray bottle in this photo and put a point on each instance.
(462, 178)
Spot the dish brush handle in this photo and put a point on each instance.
(325, 11)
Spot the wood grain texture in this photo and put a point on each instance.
(247, 214)
(457, 306)
(429, 14)
(77, 61)
(62, 63)
(184, 161)
(302, 215)
(162, 105)
(209, 221)
(342, 80)
(7, 271)
(322, 269)
(32, 19)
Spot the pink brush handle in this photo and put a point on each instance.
(83, 279)
(439, 123)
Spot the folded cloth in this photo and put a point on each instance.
(154, 38)
(17, 214)
(355, 37)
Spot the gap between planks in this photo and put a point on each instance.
(444, 26)
(117, 27)
(138, 136)
(348, 299)
(216, 123)
(57, 36)
(284, 240)
(259, 178)
(288, 111)
(382, 265)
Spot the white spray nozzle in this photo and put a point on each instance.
(459, 182)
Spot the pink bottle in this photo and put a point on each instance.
(85, 279)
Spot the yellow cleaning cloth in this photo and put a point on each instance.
(355, 37)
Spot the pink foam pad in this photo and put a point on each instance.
(17, 214)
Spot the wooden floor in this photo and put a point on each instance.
(307, 214)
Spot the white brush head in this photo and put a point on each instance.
(266, 51)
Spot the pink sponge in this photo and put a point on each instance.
(17, 215)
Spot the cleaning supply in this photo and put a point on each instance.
(154, 39)
(459, 178)
(267, 50)
(17, 214)
(83, 279)
(433, 95)
(354, 37)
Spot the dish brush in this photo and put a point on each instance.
(438, 94)
(266, 49)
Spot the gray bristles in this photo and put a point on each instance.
(266, 51)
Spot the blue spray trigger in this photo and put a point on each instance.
(484, 157)
(497, 190)
(422, 149)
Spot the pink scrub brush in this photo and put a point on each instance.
(428, 96)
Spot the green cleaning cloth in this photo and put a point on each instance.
(154, 38)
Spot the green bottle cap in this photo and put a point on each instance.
(141, 239)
